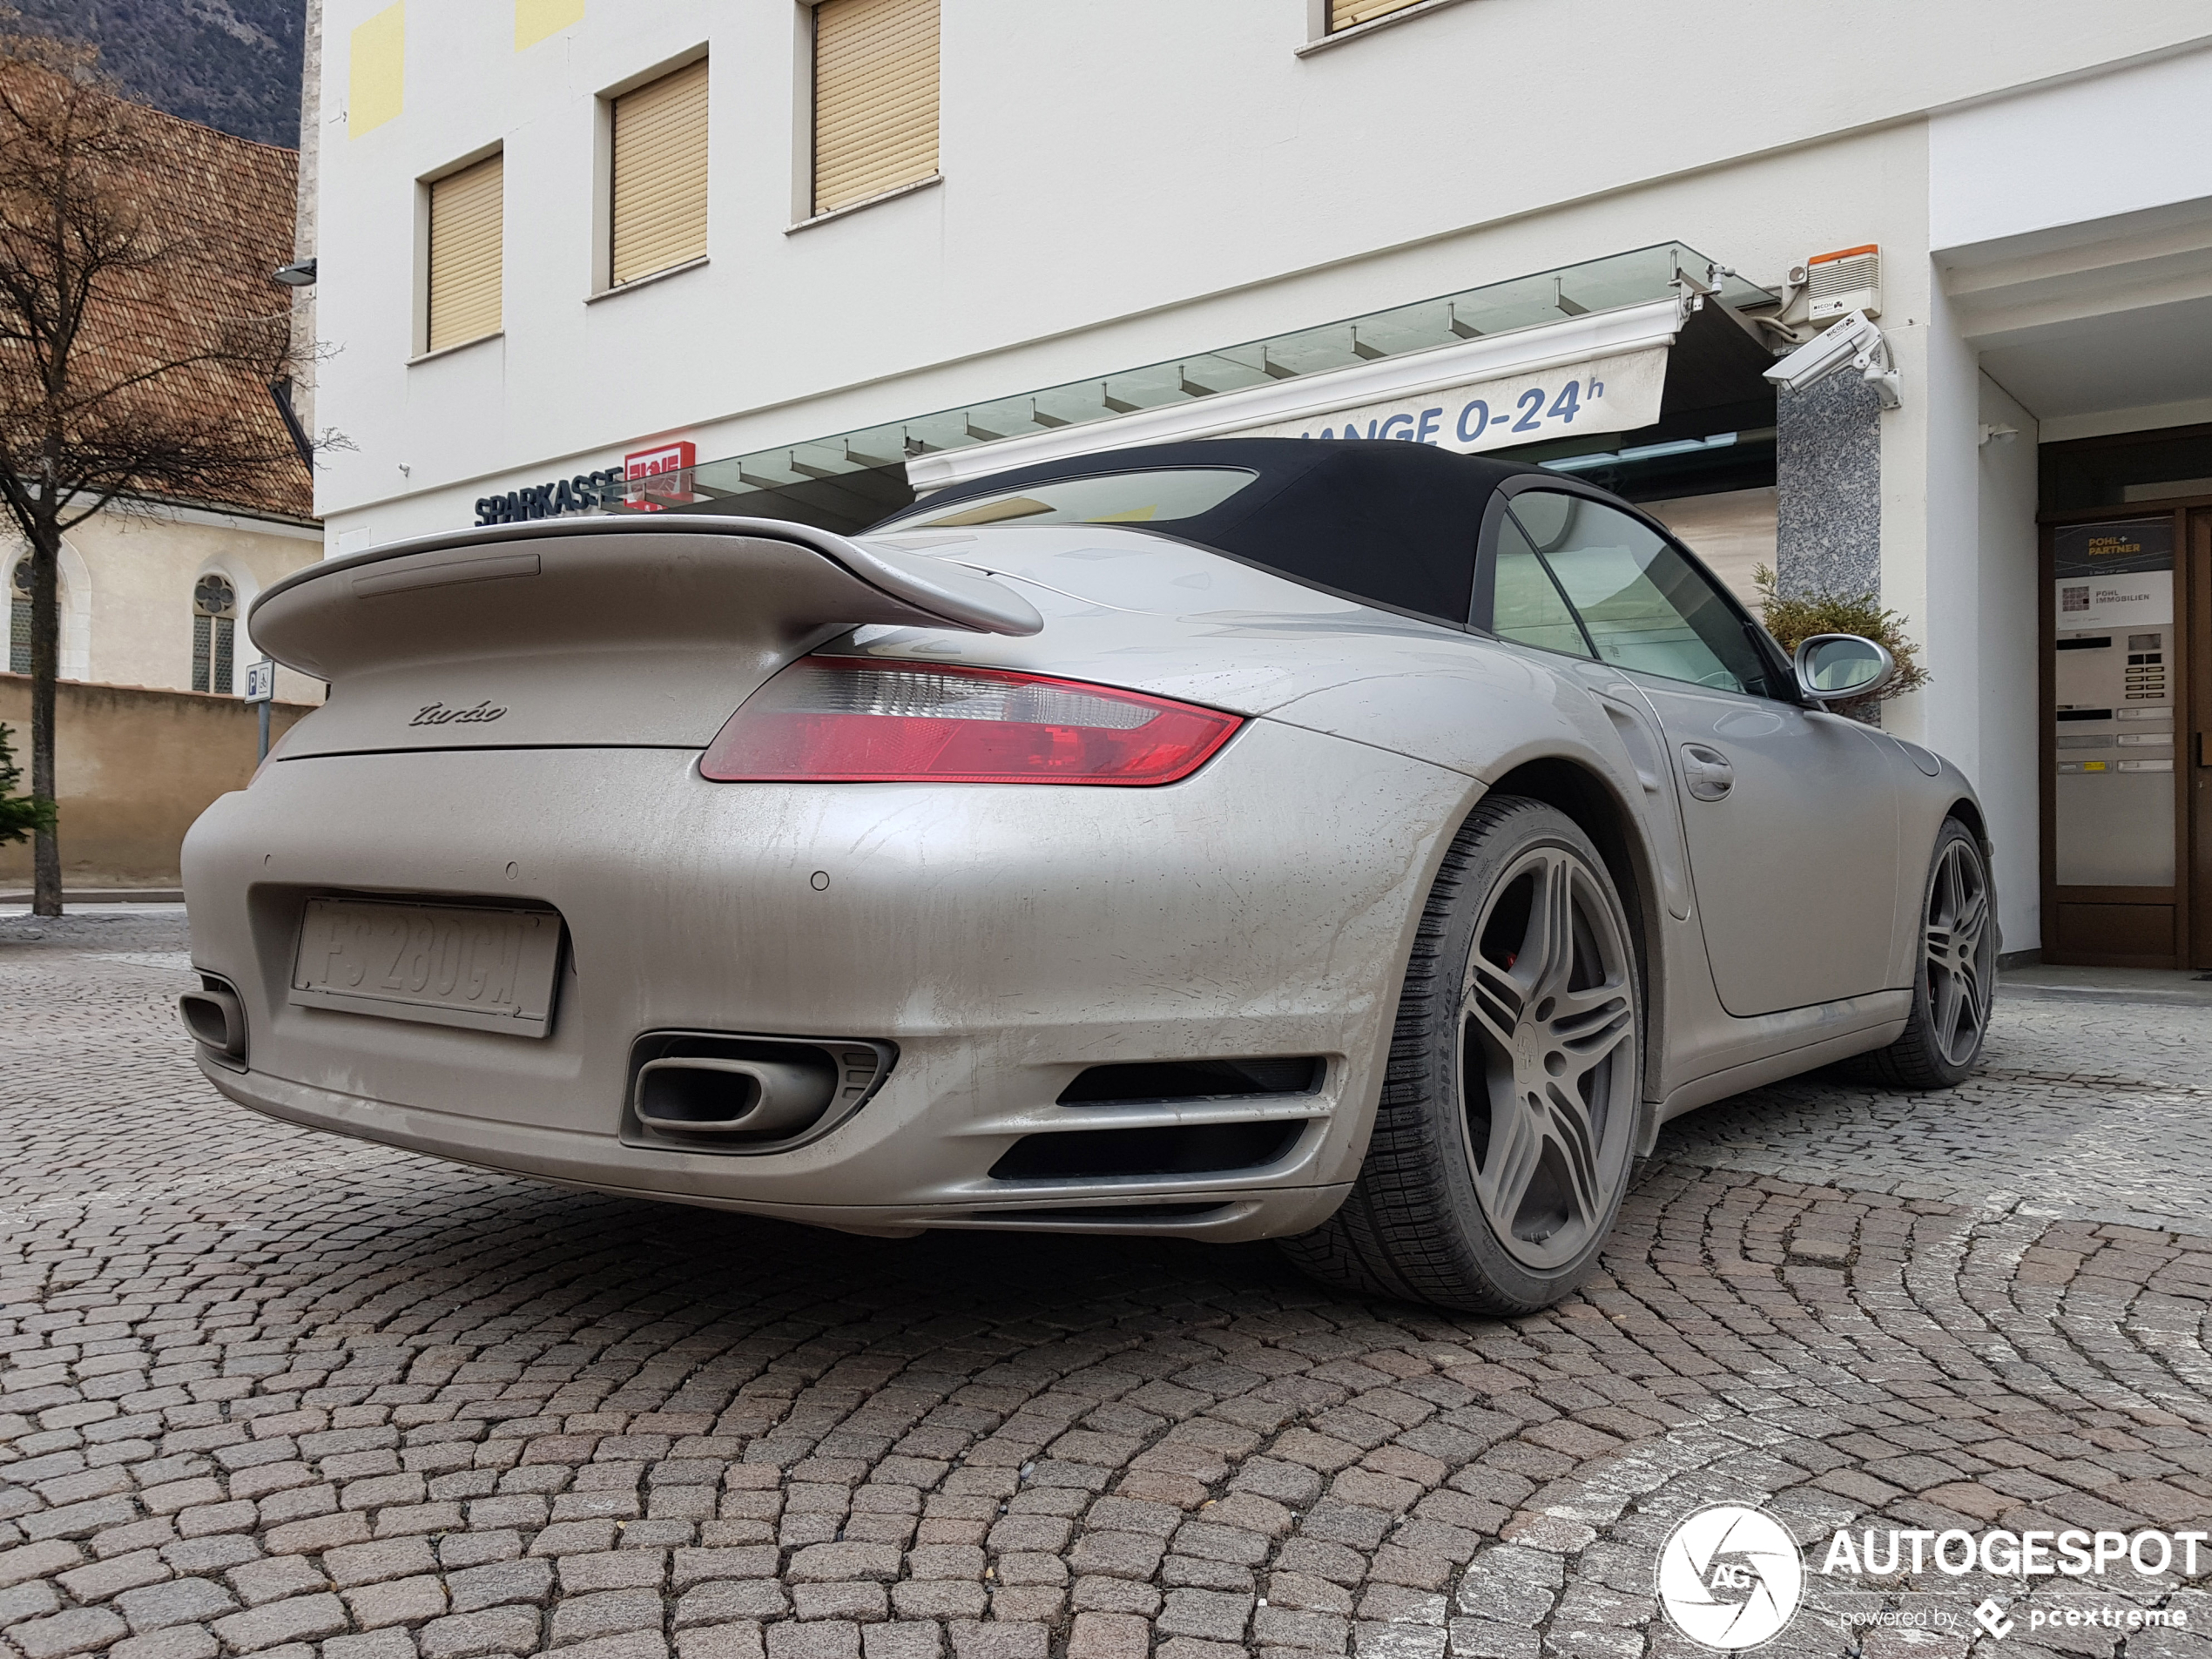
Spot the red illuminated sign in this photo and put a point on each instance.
(679, 457)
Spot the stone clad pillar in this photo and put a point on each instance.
(1828, 466)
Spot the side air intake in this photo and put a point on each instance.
(1197, 1148)
(1195, 1080)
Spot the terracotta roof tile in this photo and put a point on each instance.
(233, 200)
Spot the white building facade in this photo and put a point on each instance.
(815, 257)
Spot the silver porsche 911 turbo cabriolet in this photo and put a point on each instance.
(1349, 844)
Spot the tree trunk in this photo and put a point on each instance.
(45, 666)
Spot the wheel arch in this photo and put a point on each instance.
(1585, 796)
(1966, 811)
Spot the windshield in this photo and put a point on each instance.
(1155, 495)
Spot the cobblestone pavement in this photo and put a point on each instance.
(267, 1391)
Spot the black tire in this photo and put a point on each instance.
(1508, 1122)
(1957, 983)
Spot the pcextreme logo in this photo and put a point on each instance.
(1730, 1577)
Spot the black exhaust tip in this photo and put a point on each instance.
(215, 1018)
(710, 1094)
(712, 1091)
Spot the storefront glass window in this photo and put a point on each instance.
(2123, 470)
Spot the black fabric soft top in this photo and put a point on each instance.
(1381, 520)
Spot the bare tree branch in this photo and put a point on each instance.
(134, 364)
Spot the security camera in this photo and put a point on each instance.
(1853, 342)
(1827, 353)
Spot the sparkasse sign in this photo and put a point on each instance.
(607, 486)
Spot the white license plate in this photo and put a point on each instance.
(489, 970)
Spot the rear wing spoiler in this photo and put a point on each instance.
(879, 585)
(642, 628)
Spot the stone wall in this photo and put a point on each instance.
(136, 768)
(130, 574)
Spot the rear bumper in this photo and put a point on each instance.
(1263, 1210)
(1004, 939)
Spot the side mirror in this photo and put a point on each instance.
(1842, 668)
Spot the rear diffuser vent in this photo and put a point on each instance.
(704, 1092)
(1195, 1080)
(1197, 1148)
(1105, 1214)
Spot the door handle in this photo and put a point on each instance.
(1707, 771)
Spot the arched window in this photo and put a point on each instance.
(19, 618)
(214, 623)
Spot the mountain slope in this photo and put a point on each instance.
(232, 64)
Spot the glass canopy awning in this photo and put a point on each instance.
(850, 479)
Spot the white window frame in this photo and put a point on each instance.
(419, 338)
(803, 216)
(601, 275)
(1320, 38)
(802, 113)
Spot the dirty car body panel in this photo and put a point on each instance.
(1058, 1004)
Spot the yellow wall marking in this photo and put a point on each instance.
(377, 70)
(535, 20)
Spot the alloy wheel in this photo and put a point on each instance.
(1959, 948)
(1547, 1074)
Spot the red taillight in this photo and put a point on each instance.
(842, 719)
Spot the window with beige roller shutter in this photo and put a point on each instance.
(659, 184)
(1347, 14)
(467, 242)
(875, 98)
